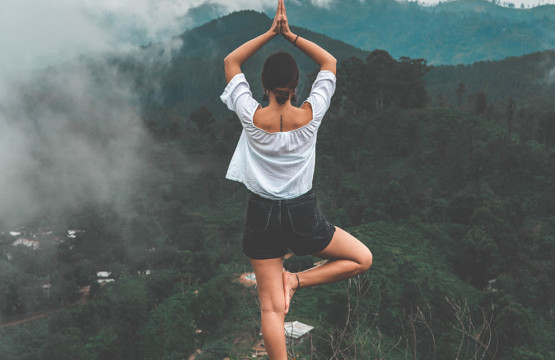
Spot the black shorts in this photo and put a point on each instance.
(274, 226)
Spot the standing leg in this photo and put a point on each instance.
(269, 280)
(349, 257)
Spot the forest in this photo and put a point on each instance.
(449, 182)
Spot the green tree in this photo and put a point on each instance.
(510, 107)
(514, 324)
(396, 199)
(65, 345)
(480, 102)
(169, 333)
(479, 257)
(103, 345)
(209, 306)
(460, 91)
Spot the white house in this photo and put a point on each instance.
(34, 244)
(296, 331)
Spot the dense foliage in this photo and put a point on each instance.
(455, 201)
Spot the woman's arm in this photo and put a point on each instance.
(237, 57)
(324, 59)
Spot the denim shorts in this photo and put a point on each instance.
(273, 227)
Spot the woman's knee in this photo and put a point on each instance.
(365, 261)
(272, 310)
(275, 304)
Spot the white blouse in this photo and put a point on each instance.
(276, 165)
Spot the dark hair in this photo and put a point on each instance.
(280, 71)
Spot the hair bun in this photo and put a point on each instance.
(282, 96)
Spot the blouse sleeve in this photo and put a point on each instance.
(321, 93)
(238, 98)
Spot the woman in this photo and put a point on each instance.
(275, 160)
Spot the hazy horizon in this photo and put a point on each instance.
(35, 35)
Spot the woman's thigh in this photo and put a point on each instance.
(345, 246)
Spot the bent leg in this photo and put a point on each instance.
(269, 280)
(349, 257)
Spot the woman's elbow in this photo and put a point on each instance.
(330, 64)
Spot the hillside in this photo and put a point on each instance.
(529, 77)
(403, 267)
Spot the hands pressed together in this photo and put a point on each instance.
(280, 24)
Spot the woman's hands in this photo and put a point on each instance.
(233, 61)
(276, 25)
(285, 31)
(280, 24)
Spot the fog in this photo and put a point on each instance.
(72, 135)
(68, 136)
(35, 34)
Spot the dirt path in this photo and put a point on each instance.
(26, 320)
(82, 300)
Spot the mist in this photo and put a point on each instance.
(69, 136)
(71, 132)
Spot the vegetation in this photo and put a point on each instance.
(455, 199)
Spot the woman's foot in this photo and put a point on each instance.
(291, 284)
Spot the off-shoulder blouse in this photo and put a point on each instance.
(276, 165)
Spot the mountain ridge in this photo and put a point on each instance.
(458, 32)
(195, 75)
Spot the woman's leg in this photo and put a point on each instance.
(349, 257)
(269, 280)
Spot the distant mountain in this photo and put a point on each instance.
(194, 77)
(449, 33)
(529, 78)
(195, 74)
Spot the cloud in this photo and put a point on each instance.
(72, 134)
(35, 34)
(69, 136)
(322, 3)
(38, 33)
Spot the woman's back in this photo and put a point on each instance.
(283, 118)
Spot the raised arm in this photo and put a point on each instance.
(324, 59)
(237, 57)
